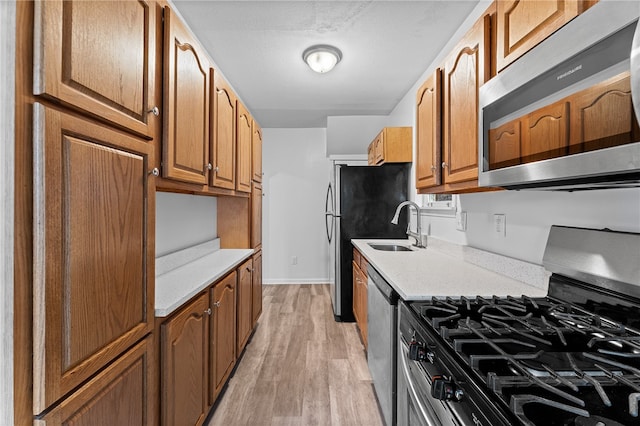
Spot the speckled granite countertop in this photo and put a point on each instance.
(182, 275)
(440, 271)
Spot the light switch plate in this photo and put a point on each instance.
(500, 224)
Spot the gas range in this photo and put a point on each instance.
(571, 358)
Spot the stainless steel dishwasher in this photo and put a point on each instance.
(382, 309)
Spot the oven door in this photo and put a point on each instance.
(413, 395)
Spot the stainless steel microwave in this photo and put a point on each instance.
(562, 116)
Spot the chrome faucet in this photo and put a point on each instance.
(418, 234)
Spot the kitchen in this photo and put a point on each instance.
(294, 244)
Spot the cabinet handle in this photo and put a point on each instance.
(208, 311)
(444, 165)
(209, 166)
(216, 304)
(154, 172)
(155, 111)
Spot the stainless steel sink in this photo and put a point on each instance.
(390, 247)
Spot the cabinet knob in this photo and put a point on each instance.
(154, 172)
(216, 169)
(209, 166)
(155, 111)
(249, 269)
(433, 168)
(216, 304)
(444, 165)
(208, 311)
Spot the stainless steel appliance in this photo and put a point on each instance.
(360, 203)
(562, 116)
(571, 358)
(382, 304)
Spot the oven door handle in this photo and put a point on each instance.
(426, 414)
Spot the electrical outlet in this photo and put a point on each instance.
(461, 221)
(500, 224)
(294, 260)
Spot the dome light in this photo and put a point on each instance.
(322, 58)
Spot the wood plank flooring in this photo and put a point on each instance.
(300, 367)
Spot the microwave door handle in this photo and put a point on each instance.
(426, 415)
(635, 71)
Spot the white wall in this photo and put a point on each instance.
(184, 220)
(352, 134)
(295, 182)
(7, 90)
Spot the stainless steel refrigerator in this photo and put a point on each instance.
(360, 203)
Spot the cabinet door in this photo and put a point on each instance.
(186, 105)
(504, 145)
(378, 146)
(602, 116)
(185, 351)
(521, 25)
(223, 139)
(122, 394)
(256, 299)
(244, 305)
(243, 138)
(256, 151)
(223, 334)
(93, 249)
(466, 69)
(363, 307)
(546, 133)
(256, 216)
(357, 299)
(98, 58)
(428, 125)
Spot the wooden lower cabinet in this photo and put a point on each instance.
(122, 394)
(360, 294)
(244, 317)
(256, 287)
(223, 334)
(184, 365)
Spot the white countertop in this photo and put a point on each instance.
(178, 285)
(429, 272)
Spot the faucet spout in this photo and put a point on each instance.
(418, 234)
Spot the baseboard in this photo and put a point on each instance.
(287, 281)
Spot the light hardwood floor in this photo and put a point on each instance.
(300, 367)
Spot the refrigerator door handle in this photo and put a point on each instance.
(328, 213)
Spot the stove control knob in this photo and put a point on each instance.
(444, 389)
(418, 352)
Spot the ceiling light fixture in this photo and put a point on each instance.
(322, 58)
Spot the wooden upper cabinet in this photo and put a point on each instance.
(223, 334)
(244, 295)
(186, 105)
(223, 137)
(545, 132)
(522, 24)
(256, 151)
(99, 58)
(243, 160)
(391, 145)
(93, 250)
(428, 132)
(256, 216)
(466, 69)
(118, 395)
(504, 145)
(185, 363)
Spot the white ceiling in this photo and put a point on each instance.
(386, 47)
